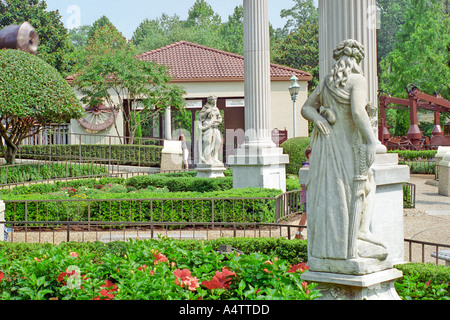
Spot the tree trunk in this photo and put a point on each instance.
(10, 156)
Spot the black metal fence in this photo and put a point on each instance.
(81, 219)
(425, 252)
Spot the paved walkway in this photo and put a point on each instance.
(430, 220)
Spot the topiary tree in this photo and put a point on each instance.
(295, 148)
(32, 94)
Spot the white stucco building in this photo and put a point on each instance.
(204, 71)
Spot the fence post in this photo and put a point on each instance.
(2, 221)
(278, 208)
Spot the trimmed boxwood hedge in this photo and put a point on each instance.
(186, 183)
(147, 155)
(295, 251)
(240, 205)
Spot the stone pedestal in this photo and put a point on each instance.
(172, 156)
(259, 168)
(444, 175)
(258, 162)
(441, 151)
(210, 171)
(373, 286)
(387, 220)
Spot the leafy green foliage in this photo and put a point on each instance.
(54, 45)
(32, 94)
(295, 148)
(423, 282)
(420, 55)
(147, 270)
(118, 154)
(47, 171)
(300, 50)
(113, 72)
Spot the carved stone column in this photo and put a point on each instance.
(257, 72)
(349, 19)
(258, 162)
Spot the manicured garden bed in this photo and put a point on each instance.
(155, 270)
(166, 269)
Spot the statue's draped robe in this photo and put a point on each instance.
(331, 175)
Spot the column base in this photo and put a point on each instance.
(210, 171)
(259, 167)
(374, 286)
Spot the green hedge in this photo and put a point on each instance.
(44, 188)
(415, 155)
(295, 148)
(181, 183)
(119, 154)
(418, 161)
(244, 206)
(295, 251)
(47, 171)
(423, 282)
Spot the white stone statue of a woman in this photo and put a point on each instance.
(210, 140)
(341, 186)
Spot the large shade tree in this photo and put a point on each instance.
(54, 45)
(32, 94)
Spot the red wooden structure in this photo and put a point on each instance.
(416, 100)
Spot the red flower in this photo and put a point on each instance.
(301, 266)
(184, 278)
(109, 284)
(144, 266)
(107, 294)
(159, 257)
(2, 275)
(62, 275)
(74, 254)
(221, 280)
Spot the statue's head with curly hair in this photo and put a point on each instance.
(348, 55)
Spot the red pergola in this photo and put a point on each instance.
(416, 100)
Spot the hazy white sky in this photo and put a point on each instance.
(126, 15)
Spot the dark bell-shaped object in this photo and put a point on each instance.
(22, 37)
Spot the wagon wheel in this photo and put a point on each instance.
(98, 118)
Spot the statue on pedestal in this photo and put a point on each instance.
(210, 140)
(341, 186)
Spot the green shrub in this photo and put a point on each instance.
(47, 171)
(44, 188)
(146, 155)
(147, 270)
(415, 154)
(295, 148)
(423, 282)
(240, 205)
(181, 183)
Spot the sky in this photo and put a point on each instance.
(126, 15)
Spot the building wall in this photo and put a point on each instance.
(79, 133)
(281, 103)
(281, 109)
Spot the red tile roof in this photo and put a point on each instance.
(189, 62)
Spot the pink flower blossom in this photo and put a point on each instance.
(184, 278)
(298, 267)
